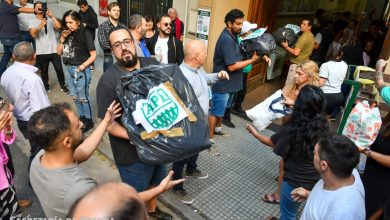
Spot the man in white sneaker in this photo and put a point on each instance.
(195, 54)
(340, 193)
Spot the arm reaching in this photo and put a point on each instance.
(300, 194)
(166, 184)
(85, 150)
(262, 138)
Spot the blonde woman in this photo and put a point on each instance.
(307, 73)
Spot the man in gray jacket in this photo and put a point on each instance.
(195, 54)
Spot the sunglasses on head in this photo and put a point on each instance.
(168, 24)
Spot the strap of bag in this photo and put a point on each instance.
(285, 111)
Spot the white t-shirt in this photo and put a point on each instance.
(161, 50)
(335, 73)
(346, 203)
(45, 43)
(318, 38)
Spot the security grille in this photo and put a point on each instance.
(153, 8)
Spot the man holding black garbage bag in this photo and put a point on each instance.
(227, 57)
(302, 51)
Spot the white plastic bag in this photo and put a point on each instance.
(267, 111)
(363, 124)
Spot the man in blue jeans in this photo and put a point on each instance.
(227, 57)
(9, 29)
(133, 171)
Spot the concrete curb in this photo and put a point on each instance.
(181, 209)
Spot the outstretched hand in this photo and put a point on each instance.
(113, 112)
(167, 183)
(300, 194)
(251, 129)
(223, 75)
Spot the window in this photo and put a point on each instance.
(153, 8)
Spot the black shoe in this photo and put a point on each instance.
(88, 124)
(64, 89)
(158, 214)
(228, 123)
(239, 111)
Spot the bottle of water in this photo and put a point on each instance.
(159, 54)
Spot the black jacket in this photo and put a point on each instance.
(175, 48)
(90, 19)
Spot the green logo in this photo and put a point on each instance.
(160, 110)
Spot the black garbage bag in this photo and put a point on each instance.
(263, 44)
(285, 34)
(163, 149)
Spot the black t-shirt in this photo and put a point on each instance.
(77, 47)
(227, 52)
(124, 152)
(299, 169)
(9, 26)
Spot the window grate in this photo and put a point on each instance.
(152, 8)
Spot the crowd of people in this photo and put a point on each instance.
(315, 165)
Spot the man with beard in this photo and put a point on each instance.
(137, 27)
(340, 193)
(105, 28)
(133, 171)
(227, 57)
(166, 48)
(55, 175)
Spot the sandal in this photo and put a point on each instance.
(271, 199)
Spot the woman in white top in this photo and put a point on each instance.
(332, 75)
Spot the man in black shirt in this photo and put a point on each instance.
(88, 19)
(132, 170)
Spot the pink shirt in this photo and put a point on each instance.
(4, 159)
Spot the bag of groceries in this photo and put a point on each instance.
(268, 110)
(363, 124)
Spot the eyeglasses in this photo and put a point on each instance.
(118, 45)
(168, 24)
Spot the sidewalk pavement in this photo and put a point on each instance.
(243, 172)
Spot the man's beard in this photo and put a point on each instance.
(128, 62)
(236, 32)
(165, 32)
(78, 142)
(113, 18)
